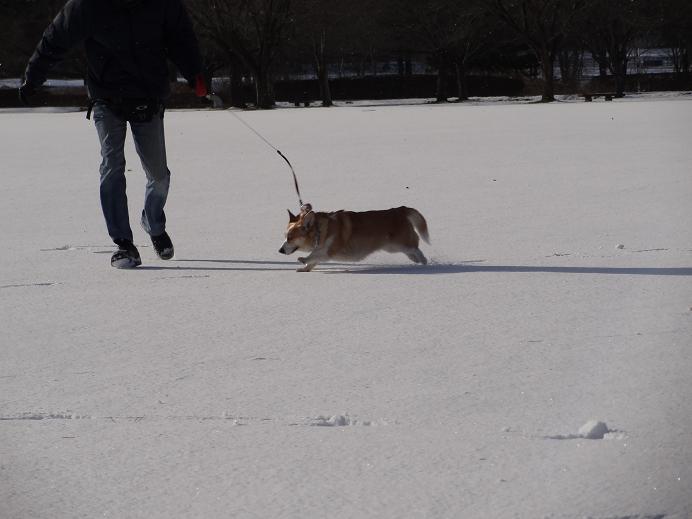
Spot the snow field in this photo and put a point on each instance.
(224, 384)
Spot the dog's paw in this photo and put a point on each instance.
(304, 269)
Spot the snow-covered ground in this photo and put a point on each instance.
(224, 384)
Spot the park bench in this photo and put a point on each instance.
(608, 96)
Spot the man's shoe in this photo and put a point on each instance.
(163, 246)
(127, 255)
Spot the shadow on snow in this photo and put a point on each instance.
(466, 269)
(461, 268)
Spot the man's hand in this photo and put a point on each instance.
(26, 92)
(200, 86)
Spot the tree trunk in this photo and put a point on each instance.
(600, 57)
(571, 64)
(322, 69)
(264, 89)
(620, 73)
(676, 56)
(462, 82)
(325, 89)
(237, 93)
(546, 58)
(602, 70)
(441, 94)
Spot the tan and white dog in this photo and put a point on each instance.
(351, 236)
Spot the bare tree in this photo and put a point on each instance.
(254, 39)
(571, 61)
(543, 25)
(250, 33)
(570, 56)
(322, 26)
(450, 32)
(368, 36)
(23, 23)
(613, 30)
(675, 32)
(477, 36)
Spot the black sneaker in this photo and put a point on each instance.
(163, 246)
(127, 255)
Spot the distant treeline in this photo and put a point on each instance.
(464, 47)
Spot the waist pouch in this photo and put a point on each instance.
(134, 110)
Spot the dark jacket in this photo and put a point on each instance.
(127, 44)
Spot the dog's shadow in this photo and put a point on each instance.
(468, 267)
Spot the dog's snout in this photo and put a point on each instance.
(287, 248)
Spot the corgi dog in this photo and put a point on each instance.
(351, 236)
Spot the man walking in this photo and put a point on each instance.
(127, 44)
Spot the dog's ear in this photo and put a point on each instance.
(309, 220)
(305, 208)
(291, 217)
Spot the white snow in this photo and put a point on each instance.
(191, 388)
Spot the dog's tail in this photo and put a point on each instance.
(418, 223)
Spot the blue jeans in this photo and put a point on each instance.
(151, 148)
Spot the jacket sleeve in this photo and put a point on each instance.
(181, 42)
(67, 30)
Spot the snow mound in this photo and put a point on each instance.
(593, 430)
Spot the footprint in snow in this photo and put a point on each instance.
(339, 420)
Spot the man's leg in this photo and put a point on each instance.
(151, 148)
(111, 132)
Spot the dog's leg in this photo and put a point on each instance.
(416, 255)
(311, 261)
(307, 268)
